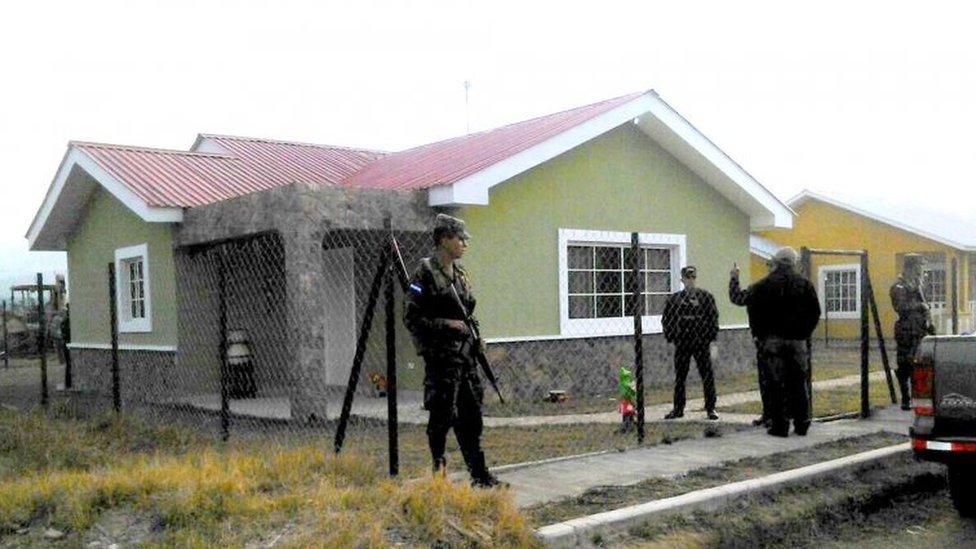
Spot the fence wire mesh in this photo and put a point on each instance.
(272, 341)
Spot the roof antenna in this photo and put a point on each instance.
(467, 115)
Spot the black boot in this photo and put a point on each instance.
(440, 466)
(485, 479)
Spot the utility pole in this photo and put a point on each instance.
(467, 113)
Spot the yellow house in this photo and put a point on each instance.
(827, 223)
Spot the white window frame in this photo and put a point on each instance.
(612, 326)
(123, 310)
(937, 268)
(822, 283)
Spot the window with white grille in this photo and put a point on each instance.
(132, 289)
(595, 277)
(840, 290)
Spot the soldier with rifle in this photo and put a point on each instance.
(439, 304)
(914, 321)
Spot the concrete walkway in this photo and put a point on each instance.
(545, 482)
(693, 408)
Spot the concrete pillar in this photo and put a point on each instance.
(303, 281)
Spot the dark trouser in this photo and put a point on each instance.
(682, 361)
(907, 346)
(453, 395)
(785, 361)
(763, 390)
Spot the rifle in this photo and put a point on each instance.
(471, 323)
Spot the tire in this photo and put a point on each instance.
(962, 488)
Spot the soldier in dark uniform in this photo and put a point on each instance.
(739, 296)
(784, 310)
(690, 321)
(452, 388)
(914, 321)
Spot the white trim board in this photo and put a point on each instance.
(662, 124)
(123, 347)
(57, 216)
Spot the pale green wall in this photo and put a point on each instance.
(620, 181)
(105, 226)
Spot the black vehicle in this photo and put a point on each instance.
(944, 401)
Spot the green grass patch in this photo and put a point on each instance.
(604, 498)
(830, 365)
(828, 402)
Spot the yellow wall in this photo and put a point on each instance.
(821, 225)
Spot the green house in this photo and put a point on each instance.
(281, 241)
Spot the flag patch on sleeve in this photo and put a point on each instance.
(416, 289)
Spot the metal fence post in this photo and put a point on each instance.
(114, 329)
(222, 326)
(880, 333)
(6, 346)
(865, 398)
(955, 296)
(41, 339)
(391, 373)
(357, 360)
(637, 300)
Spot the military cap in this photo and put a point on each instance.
(451, 226)
(689, 272)
(913, 260)
(786, 256)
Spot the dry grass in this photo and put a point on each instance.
(198, 496)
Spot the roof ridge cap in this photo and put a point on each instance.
(289, 142)
(138, 148)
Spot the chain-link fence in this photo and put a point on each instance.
(297, 345)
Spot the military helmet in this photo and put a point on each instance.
(449, 226)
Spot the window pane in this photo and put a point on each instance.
(629, 258)
(580, 306)
(628, 276)
(581, 282)
(609, 306)
(608, 258)
(658, 259)
(658, 282)
(608, 282)
(655, 304)
(580, 257)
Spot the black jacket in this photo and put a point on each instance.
(783, 304)
(690, 318)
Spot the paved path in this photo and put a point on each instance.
(534, 484)
(693, 408)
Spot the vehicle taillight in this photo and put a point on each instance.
(922, 375)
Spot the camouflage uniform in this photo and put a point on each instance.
(452, 387)
(912, 325)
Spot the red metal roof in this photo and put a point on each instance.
(292, 161)
(448, 161)
(168, 178)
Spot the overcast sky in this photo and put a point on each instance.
(867, 99)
